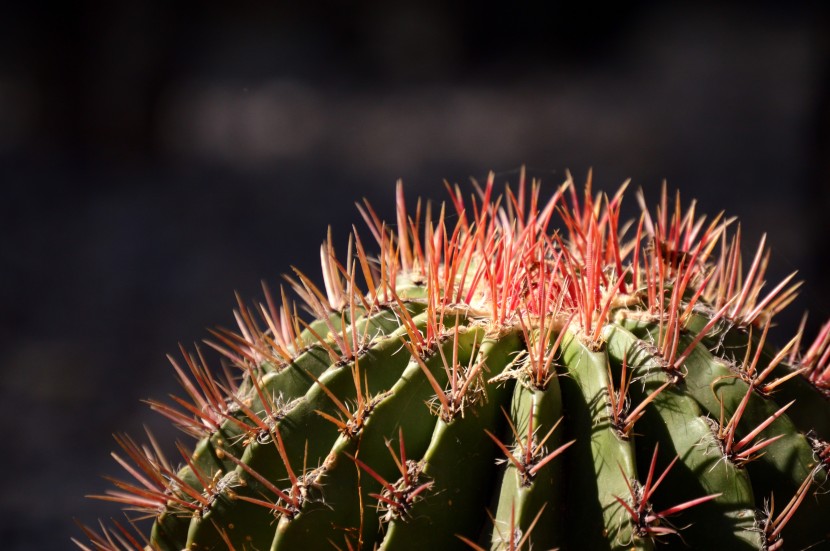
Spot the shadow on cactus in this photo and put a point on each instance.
(488, 382)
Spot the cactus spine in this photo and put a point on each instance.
(489, 383)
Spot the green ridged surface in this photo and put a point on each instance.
(603, 520)
(470, 476)
(245, 522)
(540, 499)
(345, 510)
(460, 464)
(731, 343)
(784, 464)
(675, 422)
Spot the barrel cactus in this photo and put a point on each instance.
(485, 381)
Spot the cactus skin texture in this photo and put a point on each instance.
(486, 382)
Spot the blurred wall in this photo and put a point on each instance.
(156, 156)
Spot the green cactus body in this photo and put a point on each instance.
(495, 385)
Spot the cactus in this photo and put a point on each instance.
(487, 382)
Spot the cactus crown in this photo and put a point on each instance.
(488, 382)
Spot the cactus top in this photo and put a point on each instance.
(505, 372)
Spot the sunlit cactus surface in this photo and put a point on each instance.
(522, 370)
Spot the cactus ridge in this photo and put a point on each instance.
(494, 384)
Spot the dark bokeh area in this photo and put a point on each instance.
(157, 156)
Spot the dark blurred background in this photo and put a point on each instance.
(156, 156)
